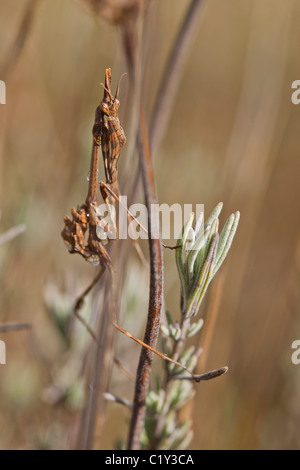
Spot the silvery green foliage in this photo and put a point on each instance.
(171, 435)
(67, 385)
(59, 306)
(200, 256)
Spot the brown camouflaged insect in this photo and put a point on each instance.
(107, 133)
(113, 137)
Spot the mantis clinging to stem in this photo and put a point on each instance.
(109, 135)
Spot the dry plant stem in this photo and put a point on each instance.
(11, 58)
(123, 369)
(86, 325)
(12, 233)
(78, 306)
(173, 72)
(99, 376)
(81, 298)
(20, 39)
(155, 292)
(163, 356)
(116, 399)
(156, 258)
(212, 374)
(12, 326)
(171, 78)
(80, 301)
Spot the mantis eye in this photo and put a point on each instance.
(105, 108)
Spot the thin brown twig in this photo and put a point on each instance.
(20, 39)
(78, 306)
(76, 313)
(155, 251)
(79, 303)
(14, 326)
(124, 369)
(212, 374)
(10, 60)
(122, 401)
(80, 299)
(99, 376)
(155, 300)
(174, 70)
(170, 80)
(155, 291)
(12, 233)
(192, 376)
(85, 324)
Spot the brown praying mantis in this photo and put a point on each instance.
(85, 218)
(80, 232)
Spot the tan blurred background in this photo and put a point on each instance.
(233, 136)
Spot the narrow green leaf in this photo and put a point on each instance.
(195, 327)
(212, 230)
(169, 318)
(205, 278)
(224, 236)
(165, 330)
(214, 215)
(228, 242)
(199, 260)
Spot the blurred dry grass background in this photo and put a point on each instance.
(232, 137)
